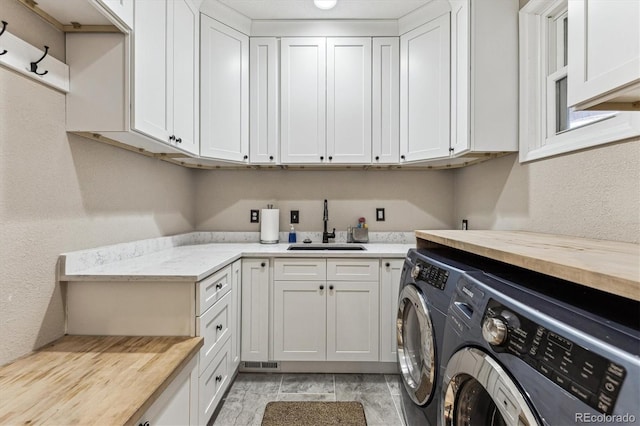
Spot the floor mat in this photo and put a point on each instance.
(308, 413)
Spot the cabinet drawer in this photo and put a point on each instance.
(353, 269)
(214, 327)
(213, 383)
(300, 269)
(211, 289)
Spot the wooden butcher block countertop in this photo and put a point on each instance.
(91, 380)
(610, 266)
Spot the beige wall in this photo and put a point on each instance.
(593, 193)
(411, 199)
(59, 193)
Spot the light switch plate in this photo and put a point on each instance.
(295, 216)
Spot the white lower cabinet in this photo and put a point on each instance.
(255, 310)
(319, 320)
(175, 405)
(390, 273)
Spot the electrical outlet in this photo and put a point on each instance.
(295, 216)
(380, 215)
(255, 216)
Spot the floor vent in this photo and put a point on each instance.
(262, 366)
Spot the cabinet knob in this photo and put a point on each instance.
(271, 157)
(245, 157)
(263, 264)
(387, 264)
(321, 287)
(144, 424)
(218, 378)
(322, 158)
(219, 327)
(452, 149)
(172, 138)
(218, 286)
(178, 140)
(330, 158)
(377, 157)
(330, 287)
(402, 157)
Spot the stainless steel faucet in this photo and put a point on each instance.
(326, 235)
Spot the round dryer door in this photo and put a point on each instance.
(478, 391)
(416, 345)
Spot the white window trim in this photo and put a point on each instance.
(535, 144)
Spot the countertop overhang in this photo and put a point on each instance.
(609, 266)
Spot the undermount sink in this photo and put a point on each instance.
(328, 246)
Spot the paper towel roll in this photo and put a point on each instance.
(270, 226)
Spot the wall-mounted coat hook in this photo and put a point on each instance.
(34, 65)
(4, 27)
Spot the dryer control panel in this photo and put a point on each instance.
(430, 274)
(588, 376)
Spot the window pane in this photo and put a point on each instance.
(569, 118)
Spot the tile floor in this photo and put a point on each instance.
(249, 394)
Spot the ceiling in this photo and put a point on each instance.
(304, 9)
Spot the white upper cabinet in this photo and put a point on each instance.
(424, 91)
(303, 100)
(224, 91)
(386, 100)
(484, 76)
(349, 100)
(604, 54)
(263, 100)
(166, 72)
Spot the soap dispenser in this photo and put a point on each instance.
(292, 234)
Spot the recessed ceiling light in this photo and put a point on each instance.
(325, 4)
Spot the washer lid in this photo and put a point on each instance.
(416, 345)
(477, 390)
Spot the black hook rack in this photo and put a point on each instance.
(4, 27)
(34, 65)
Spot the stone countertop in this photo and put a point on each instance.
(196, 262)
(609, 266)
(93, 380)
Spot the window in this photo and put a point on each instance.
(548, 125)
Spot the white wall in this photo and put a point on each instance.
(59, 193)
(593, 193)
(411, 199)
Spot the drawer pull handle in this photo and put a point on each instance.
(263, 264)
(219, 327)
(218, 286)
(218, 378)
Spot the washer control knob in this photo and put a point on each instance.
(415, 272)
(494, 331)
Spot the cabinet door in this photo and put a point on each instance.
(389, 290)
(151, 78)
(236, 294)
(299, 320)
(224, 90)
(177, 403)
(184, 104)
(303, 100)
(460, 75)
(255, 310)
(604, 52)
(424, 91)
(263, 71)
(349, 100)
(386, 100)
(353, 319)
